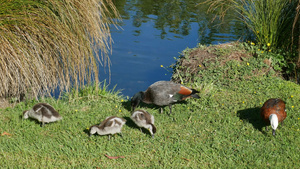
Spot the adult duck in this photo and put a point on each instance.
(163, 93)
(273, 112)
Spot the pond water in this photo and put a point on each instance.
(153, 33)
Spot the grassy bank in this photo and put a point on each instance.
(222, 129)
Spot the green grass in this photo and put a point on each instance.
(222, 129)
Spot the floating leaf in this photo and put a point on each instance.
(114, 157)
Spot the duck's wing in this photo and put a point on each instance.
(162, 93)
(148, 117)
(45, 110)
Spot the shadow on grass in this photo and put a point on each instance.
(129, 122)
(252, 115)
(127, 106)
(87, 131)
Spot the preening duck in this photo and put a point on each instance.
(273, 112)
(144, 119)
(163, 93)
(109, 126)
(43, 112)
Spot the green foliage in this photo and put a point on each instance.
(271, 21)
(273, 25)
(91, 90)
(280, 60)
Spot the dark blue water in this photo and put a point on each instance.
(153, 33)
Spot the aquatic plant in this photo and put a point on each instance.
(271, 21)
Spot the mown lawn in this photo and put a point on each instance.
(222, 129)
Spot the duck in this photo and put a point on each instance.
(273, 112)
(109, 126)
(163, 93)
(43, 112)
(144, 119)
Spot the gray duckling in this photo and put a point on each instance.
(144, 119)
(109, 126)
(43, 112)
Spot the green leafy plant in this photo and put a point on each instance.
(279, 59)
(271, 21)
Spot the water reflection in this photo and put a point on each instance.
(156, 31)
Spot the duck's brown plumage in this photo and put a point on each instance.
(144, 115)
(185, 91)
(144, 119)
(45, 110)
(108, 122)
(273, 106)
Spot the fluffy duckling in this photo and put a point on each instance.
(109, 126)
(273, 112)
(144, 119)
(163, 93)
(43, 112)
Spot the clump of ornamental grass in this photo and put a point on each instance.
(270, 21)
(45, 44)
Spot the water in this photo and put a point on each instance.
(153, 33)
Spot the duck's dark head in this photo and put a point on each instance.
(25, 114)
(136, 99)
(92, 130)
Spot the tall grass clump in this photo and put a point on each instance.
(271, 21)
(49, 43)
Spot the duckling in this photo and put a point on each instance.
(163, 93)
(109, 126)
(43, 112)
(144, 119)
(272, 112)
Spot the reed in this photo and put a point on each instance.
(45, 44)
(271, 21)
